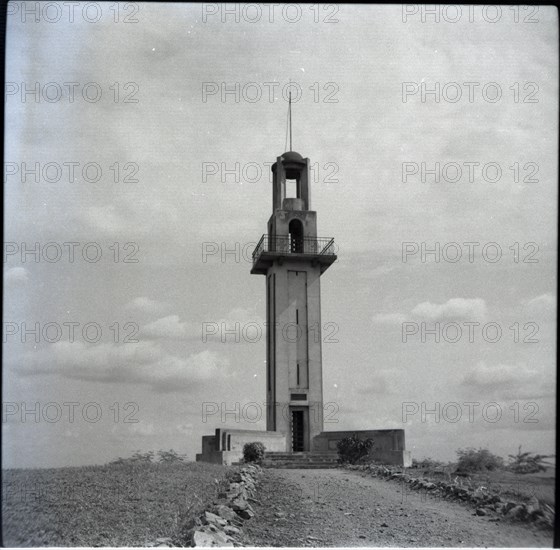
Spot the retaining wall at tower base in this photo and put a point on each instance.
(226, 446)
(388, 445)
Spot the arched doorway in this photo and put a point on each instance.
(296, 236)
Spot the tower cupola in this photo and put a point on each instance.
(290, 183)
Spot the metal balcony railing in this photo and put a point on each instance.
(282, 244)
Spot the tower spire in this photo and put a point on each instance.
(290, 117)
(289, 122)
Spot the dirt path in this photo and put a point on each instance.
(341, 508)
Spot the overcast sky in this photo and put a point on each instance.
(149, 164)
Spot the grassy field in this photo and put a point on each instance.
(114, 505)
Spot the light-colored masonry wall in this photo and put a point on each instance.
(388, 445)
(226, 446)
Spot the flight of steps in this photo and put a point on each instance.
(305, 460)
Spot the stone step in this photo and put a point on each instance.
(299, 466)
(302, 460)
(308, 461)
(305, 460)
(299, 455)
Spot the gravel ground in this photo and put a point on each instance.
(340, 508)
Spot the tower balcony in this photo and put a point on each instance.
(276, 248)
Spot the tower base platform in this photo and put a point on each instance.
(226, 447)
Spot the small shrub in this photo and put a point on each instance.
(136, 458)
(253, 452)
(170, 457)
(353, 449)
(472, 460)
(528, 463)
(143, 458)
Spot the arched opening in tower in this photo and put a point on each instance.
(296, 236)
(292, 188)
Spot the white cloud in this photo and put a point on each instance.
(545, 304)
(389, 318)
(454, 309)
(242, 315)
(185, 429)
(379, 382)
(497, 375)
(170, 327)
(148, 305)
(546, 300)
(145, 216)
(143, 363)
(519, 381)
(105, 218)
(16, 275)
(143, 429)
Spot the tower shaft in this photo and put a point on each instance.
(292, 258)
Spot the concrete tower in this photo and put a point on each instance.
(293, 258)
